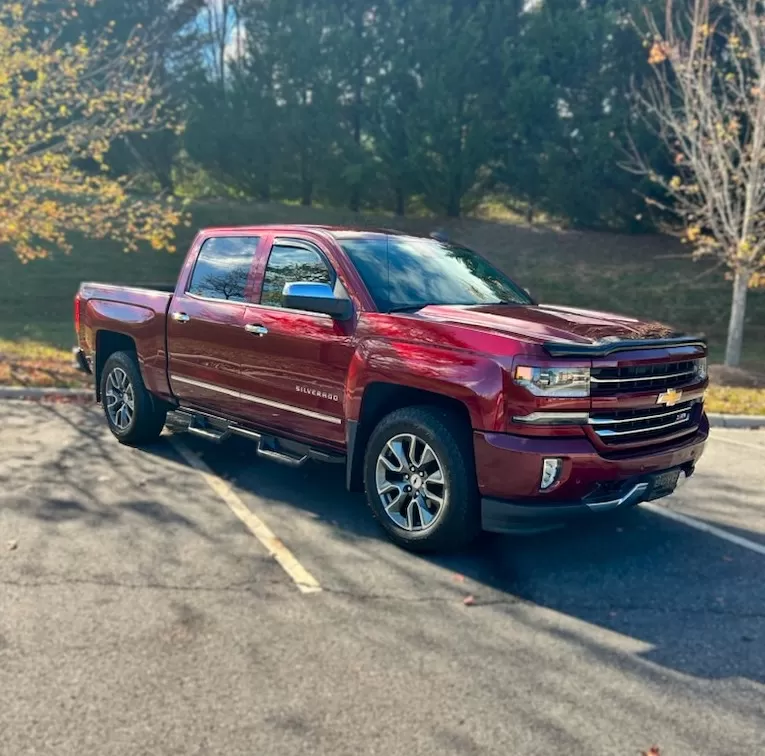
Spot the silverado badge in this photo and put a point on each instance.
(670, 397)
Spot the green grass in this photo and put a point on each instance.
(647, 276)
(730, 400)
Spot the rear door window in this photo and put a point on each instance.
(223, 268)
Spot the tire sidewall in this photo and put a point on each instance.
(457, 484)
(142, 401)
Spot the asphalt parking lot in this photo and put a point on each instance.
(140, 615)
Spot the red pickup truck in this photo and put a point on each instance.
(453, 399)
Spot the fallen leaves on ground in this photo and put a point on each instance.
(35, 365)
(652, 751)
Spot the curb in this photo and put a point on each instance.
(23, 392)
(737, 421)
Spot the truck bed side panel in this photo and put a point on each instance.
(140, 314)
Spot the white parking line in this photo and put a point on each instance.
(303, 579)
(691, 522)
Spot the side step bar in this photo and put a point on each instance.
(269, 448)
(198, 427)
(284, 451)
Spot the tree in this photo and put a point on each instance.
(61, 106)
(452, 122)
(228, 285)
(354, 49)
(393, 94)
(170, 35)
(706, 105)
(307, 94)
(271, 127)
(566, 102)
(221, 21)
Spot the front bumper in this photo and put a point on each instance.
(509, 470)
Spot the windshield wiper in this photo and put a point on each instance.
(420, 305)
(413, 307)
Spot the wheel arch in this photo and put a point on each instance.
(107, 343)
(380, 398)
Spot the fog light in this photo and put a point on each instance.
(551, 468)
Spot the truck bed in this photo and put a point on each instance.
(138, 313)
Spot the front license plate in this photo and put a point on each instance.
(663, 484)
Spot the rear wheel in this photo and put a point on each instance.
(133, 414)
(419, 478)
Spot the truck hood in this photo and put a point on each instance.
(544, 323)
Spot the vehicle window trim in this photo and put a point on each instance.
(199, 298)
(188, 293)
(280, 241)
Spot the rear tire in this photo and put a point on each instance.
(134, 416)
(419, 477)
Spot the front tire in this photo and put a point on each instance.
(419, 477)
(134, 416)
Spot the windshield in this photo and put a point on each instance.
(405, 272)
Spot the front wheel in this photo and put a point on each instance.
(133, 414)
(419, 477)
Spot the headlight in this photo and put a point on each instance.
(701, 369)
(567, 382)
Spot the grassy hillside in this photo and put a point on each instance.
(639, 275)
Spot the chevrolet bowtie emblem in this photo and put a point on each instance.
(670, 397)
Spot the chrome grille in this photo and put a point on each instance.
(644, 425)
(655, 377)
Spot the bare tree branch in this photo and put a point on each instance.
(706, 105)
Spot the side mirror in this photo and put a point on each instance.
(316, 297)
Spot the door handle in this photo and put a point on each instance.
(180, 317)
(258, 330)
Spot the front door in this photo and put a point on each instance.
(205, 325)
(293, 377)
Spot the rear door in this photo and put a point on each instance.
(205, 336)
(294, 375)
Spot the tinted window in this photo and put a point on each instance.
(403, 272)
(223, 267)
(289, 265)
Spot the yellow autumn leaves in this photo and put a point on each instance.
(658, 53)
(62, 105)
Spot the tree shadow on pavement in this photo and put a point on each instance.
(697, 600)
(74, 501)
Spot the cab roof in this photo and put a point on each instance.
(338, 232)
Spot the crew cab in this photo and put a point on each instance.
(451, 398)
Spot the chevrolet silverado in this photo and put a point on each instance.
(453, 400)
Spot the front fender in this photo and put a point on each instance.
(472, 379)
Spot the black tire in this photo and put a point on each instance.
(148, 415)
(451, 441)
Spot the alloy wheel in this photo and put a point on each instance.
(411, 483)
(120, 399)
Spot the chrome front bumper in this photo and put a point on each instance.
(501, 516)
